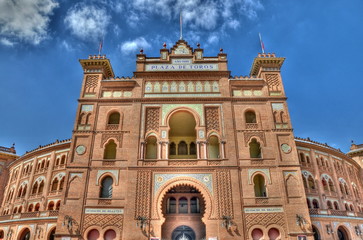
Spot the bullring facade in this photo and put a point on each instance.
(182, 150)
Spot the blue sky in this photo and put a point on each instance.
(42, 40)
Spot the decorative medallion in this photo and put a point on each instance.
(285, 148)
(80, 149)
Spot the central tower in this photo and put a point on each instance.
(182, 150)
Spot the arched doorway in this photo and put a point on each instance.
(51, 235)
(342, 234)
(183, 233)
(316, 233)
(25, 235)
(183, 206)
(182, 136)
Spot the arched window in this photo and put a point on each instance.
(316, 233)
(250, 117)
(51, 235)
(30, 208)
(21, 208)
(35, 188)
(93, 235)
(37, 207)
(315, 203)
(182, 148)
(351, 208)
(151, 148)
(114, 118)
(41, 187)
(304, 181)
(273, 234)
(325, 185)
(57, 162)
(257, 234)
(330, 205)
(183, 205)
(307, 159)
(302, 157)
(255, 150)
(331, 185)
(57, 206)
(106, 187)
(346, 207)
(63, 161)
(346, 189)
(55, 185)
(336, 206)
(194, 205)
(15, 210)
(51, 205)
(308, 202)
(259, 186)
(311, 182)
(110, 235)
(1, 234)
(24, 191)
(172, 149)
(61, 183)
(192, 149)
(213, 147)
(110, 150)
(19, 192)
(341, 188)
(171, 205)
(25, 235)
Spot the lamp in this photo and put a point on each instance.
(227, 222)
(9, 234)
(329, 229)
(141, 222)
(358, 231)
(68, 222)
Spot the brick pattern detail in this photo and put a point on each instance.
(117, 136)
(91, 84)
(250, 134)
(103, 221)
(273, 82)
(143, 194)
(152, 119)
(212, 118)
(264, 219)
(224, 188)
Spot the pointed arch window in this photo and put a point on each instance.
(336, 206)
(110, 150)
(106, 187)
(172, 150)
(151, 148)
(35, 188)
(304, 181)
(315, 203)
(183, 205)
(259, 186)
(331, 186)
(41, 187)
(255, 149)
(325, 185)
(330, 205)
(192, 149)
(311, 182)
(171, 205)
(61, 183)
(55, 185)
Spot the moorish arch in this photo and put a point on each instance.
(183, 181)
(182, 125)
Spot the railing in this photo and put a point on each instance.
(251, 125)
(53, 213)
(112, 126)
(332, 212)
(104, 201)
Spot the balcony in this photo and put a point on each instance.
(332, 212)
(20, 216)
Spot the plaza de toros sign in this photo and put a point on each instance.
(182, 65)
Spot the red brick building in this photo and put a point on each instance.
(182, 150)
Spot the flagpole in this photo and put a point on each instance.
(262, 45)
(181, 26)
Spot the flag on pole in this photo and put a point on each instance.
(262, 45)
(100, 47)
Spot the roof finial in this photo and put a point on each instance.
(181, 26)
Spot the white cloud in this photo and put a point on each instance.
(87, 22)
(6, 42)
(24, 20)
(133, 46)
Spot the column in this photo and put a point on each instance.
(223, 149)
(167, 150)
(159, 155)
(205, 149)
(198, 150)
(142, 150)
